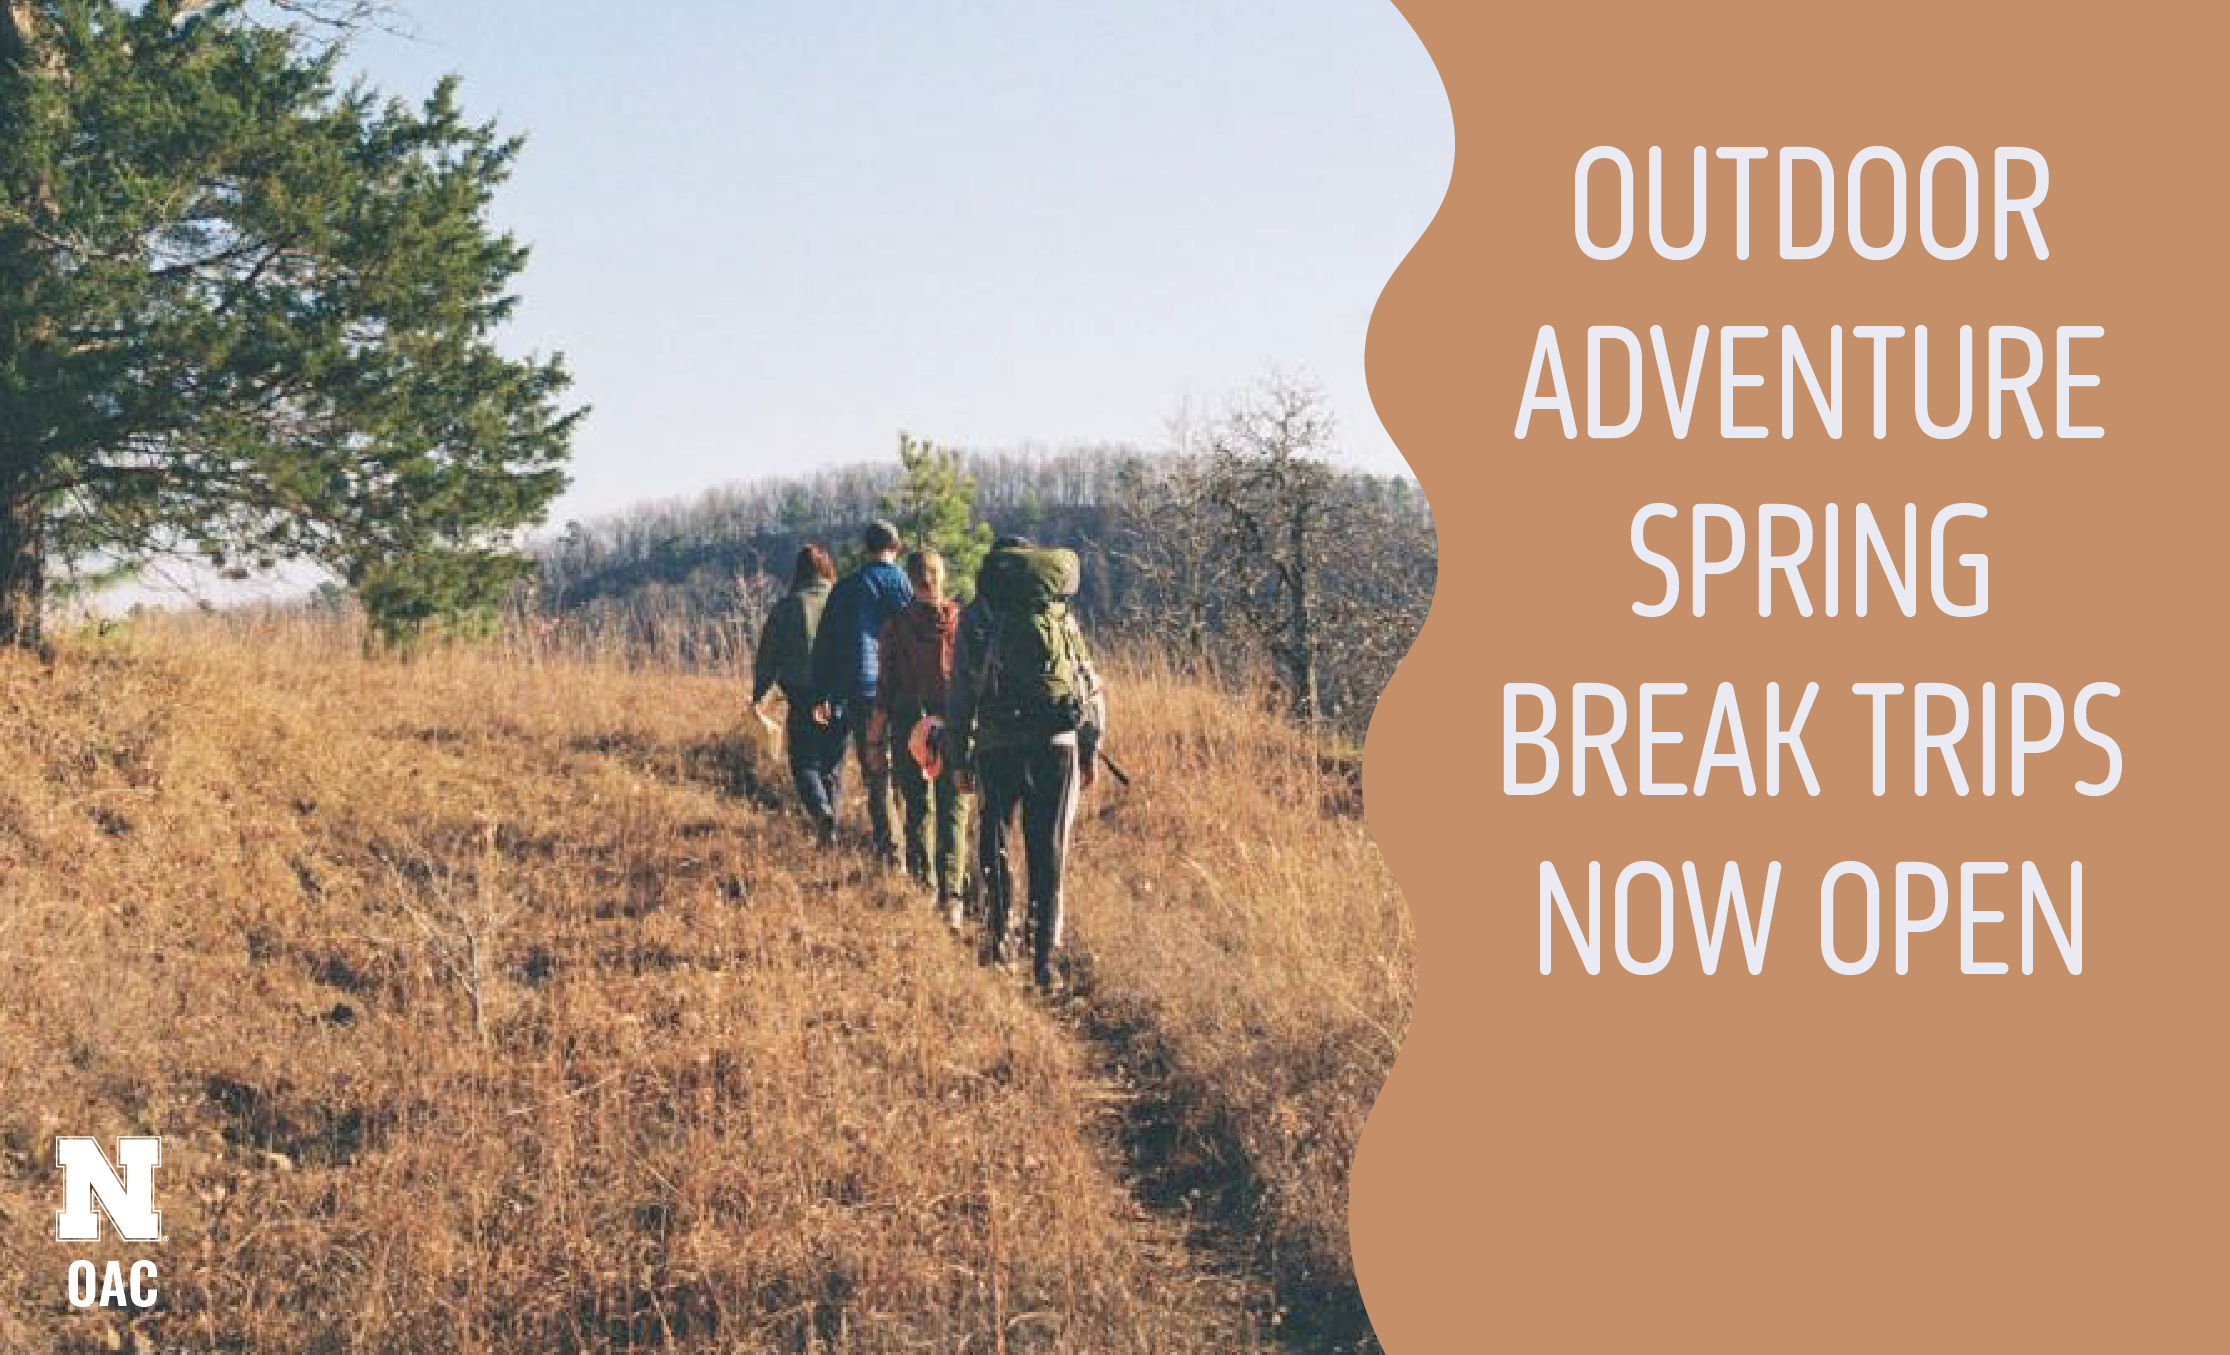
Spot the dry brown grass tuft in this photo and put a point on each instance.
(482, 1004)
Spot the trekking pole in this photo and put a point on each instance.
(1122, 777)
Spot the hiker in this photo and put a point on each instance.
(972, 638)
(845, 666)
(976, 618)
(1024, 721)
(915, 654)
(785, 660)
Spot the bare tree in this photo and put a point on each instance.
(1385, 565)
(1268, 478)
(1169, 541)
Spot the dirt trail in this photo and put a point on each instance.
(1185, 1202)
(1174, 1184)
(1186, 1179)
(1193, 1176)
(1188, 1196)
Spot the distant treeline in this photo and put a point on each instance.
(688, 581)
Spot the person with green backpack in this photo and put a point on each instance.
(1024, 720)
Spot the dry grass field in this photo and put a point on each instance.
(493, 1002)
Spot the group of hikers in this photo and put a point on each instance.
(985, 713)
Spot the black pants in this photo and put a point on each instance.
(816, 762)
(1041, 783)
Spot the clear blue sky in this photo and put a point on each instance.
(769, 236)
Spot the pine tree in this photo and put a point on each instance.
(248, 315)
(934, 505)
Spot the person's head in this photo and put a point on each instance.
(880, 540)
(813, 566)
(926, 570)
(1011, 543)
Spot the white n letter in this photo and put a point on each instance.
(2033, 897)
(1589, 946)
(1793, 360)
(129, 1203)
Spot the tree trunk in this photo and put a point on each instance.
(22, 569)
(1302, 623)
(22, 526)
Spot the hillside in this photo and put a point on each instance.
(490, 1003)
(690, 579)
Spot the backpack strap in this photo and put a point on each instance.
(983, 655)
(987, 681)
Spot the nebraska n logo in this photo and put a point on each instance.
(129, 1203)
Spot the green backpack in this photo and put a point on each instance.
(1033, 685)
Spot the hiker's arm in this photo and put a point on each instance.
(1094, 717)
(890, 663)
(960, 701)
(767, 661)
(1091, 731)
(889, 675)
(826, 653)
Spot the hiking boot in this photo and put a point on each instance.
(824, 832)
(956, 914)
(1047, 980)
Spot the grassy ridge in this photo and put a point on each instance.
(479, 1011)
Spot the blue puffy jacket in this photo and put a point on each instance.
(844, 657)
